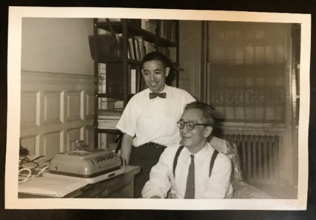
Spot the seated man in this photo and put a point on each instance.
(195, 169)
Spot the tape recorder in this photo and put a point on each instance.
(92, 165)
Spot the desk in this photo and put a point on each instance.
(121, 186)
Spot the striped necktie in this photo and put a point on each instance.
(190, 190)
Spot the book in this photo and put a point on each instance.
(143, 24)
(109, 114)
(131, 48)
(137, 49)
(141, 47)
(107, 123)
(133, 81)
(119, 105)
(108, 118)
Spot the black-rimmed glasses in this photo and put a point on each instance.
(189, 125)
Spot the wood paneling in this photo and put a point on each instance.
(74, 106)
(55, 109)
(52, 142)
(31, 143)
(29, 109)
(52, 107)
(72, 135)
(90, 104)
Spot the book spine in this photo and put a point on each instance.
(131, 48)
(133, 81)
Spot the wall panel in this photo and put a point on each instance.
(74, 110)
(51, 143)
(52, 107)
(55, 109)
(90, 104)
(30, 109)
(31, 143)
(72, 135)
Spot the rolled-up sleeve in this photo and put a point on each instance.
(128, 121)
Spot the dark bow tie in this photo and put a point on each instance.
(154, 95)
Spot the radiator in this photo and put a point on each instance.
(259, 156)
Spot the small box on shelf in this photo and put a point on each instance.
(149, 25)
(105, 47)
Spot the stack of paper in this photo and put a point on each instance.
(51, 186)
(107, 119)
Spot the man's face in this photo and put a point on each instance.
(155, 75)
(194, 139)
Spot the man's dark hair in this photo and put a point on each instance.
(158, 57)
(208, 111)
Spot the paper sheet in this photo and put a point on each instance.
(51, 186)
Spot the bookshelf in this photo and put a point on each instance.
(117, 48)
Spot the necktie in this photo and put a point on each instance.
(190, 190)
(154, 95)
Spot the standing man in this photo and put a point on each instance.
(194, 170)
(149, 119)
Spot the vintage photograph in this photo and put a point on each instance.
(157, 109)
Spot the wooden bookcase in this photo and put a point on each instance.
(120, 45)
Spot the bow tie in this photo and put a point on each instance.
(154, 95)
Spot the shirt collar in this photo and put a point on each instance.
(165, 89)
(201, 152)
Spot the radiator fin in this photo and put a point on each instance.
(259, 156)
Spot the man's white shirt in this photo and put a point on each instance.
(154, 120)
(217, 186)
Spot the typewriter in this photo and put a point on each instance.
(90, 165)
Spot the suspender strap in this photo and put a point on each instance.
(175, 161)
(212, 161)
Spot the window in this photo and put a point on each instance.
(247, 65)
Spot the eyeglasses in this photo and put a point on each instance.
(189, 125)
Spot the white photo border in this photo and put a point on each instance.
(13, 117)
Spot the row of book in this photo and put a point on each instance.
(113, 83)
(110, 103)
(109, 46)
(167, 28)
(138, 48)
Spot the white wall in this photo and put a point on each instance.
(57, 45)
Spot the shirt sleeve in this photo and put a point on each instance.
(159, 182)
(189, 98)
(219, 184)
(128, 121)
